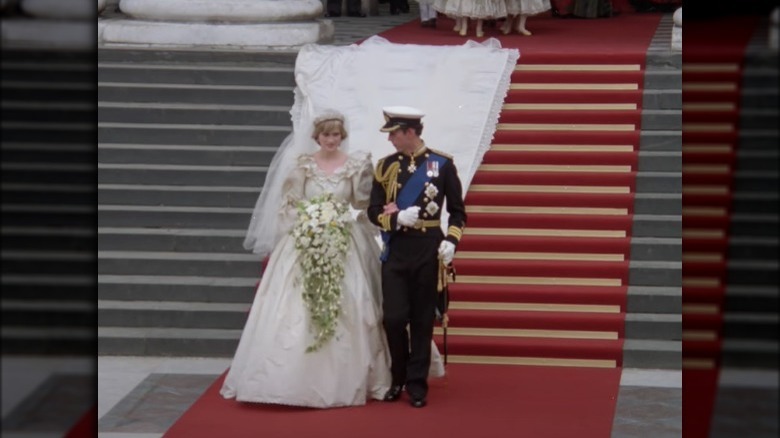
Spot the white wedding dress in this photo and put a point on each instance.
(271, 364)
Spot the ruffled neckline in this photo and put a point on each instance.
(352, 165)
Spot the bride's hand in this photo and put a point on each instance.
(391, 208)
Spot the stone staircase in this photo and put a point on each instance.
(48, 202)
(184, 141)
(750, 310)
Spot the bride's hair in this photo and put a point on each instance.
(329, 121)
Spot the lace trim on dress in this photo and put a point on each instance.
(350, 167)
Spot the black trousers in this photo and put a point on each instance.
(409, 278)
(399, 6)
(334, 7)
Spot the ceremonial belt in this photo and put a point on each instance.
(421, 224)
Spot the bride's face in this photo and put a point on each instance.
(329, 141)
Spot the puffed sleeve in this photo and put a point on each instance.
(361, 183)
(292, 193)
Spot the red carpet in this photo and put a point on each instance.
(712, 70)
(472, 401)
(577, 41)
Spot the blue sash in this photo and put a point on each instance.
(408, 194)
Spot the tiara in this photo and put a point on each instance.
(328, 116)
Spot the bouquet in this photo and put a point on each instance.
(321, 234)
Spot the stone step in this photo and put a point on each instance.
(48, 132)
(238, 218)
(60, 153)
(225, 155)
(659, 182)
(208, 58)
(171, 195)
(749, 353)
(752, 272)
(63, 313)
(129, 341)
(172, 239)
(660, 161)
(748, 202)
(181, 174)
(193, 114)
(753, 248)
(741, 298)
(182, 263)
(52, 262)
(758, 139)
(48, 341)
(662, 99)
(750, 325)
(656, 248)
(658, 203)
(645, 225)
(71, 286)
(176, 288)
(659, 326)
(269, 73)
(196, 94)
(759, 225)
(650, 353)
(660, 78)
(759, 97)
(761, 118)
(654, 299)
(655, 273)
(758, 182)
(191, 134)
(47, 238)
(177, 342)
(661, 119)
(660, 140)
(49, 114)
(219, 218)
(748, 161)
(232, 316)
(49, 194)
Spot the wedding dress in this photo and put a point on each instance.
(271, 364)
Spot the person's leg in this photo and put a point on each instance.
(395, 316)
(422, 314)
(479, 32)
(333, 8)
(355, 8)
(521, 26)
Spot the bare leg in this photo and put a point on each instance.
(458, 21)
(507, 27)
(464, 27)
(521, 26)
(480, 33)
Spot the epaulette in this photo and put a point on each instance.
(443, 154)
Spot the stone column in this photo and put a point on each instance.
(50, 24)
(677, 30)
(216, 24)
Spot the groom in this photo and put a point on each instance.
(408, 192)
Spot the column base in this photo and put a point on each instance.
(222, 36)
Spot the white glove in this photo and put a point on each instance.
(408, 216)
(446, 251)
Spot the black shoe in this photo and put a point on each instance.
(356, 14)
(393, 394)
(418, 402)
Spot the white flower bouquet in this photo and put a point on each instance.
(321, 234)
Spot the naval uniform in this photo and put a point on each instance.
(410, 264)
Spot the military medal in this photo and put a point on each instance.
(412, 167)
(433, 169)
